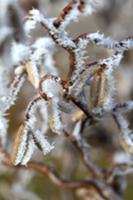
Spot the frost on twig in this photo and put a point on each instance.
(35, 17)
(89, 87)
(123, 166)
(73, 11)
(126, 135)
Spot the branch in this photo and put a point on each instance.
(83, 148)
(118, 170)
(54, 176)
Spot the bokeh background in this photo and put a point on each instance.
(113, 18)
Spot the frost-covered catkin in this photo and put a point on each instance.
(55, 121)
(29, 137)
(42, 55)
(51, 90)
(41, 142)
(23, 146)
(35, 62)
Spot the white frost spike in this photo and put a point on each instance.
(20, 52)
(33, 18)
(127, 43)
(100, 40)
(80, 57)
(113, 61)
(72, 16)
(59, 34)
(42, 143)
(88, 10)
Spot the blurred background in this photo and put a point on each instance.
(113, 18)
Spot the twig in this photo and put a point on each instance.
(54, 176)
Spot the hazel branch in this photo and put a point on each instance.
(53, 175)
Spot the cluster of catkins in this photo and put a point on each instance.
(54, 96)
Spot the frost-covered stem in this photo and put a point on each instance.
(107, 42)
(81, 106)
(87, 74)
(118, 170)
(125, 134)
(30, 106)
(96, 171)
(72, 12)
(60, 37)
(78, 5)
(97, 39)
(60, 181)
(54, 176)
(84, 150)
(123, 107)
(47, 95)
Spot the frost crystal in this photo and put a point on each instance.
(20, 52)
(42, 143)
(34, 18)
